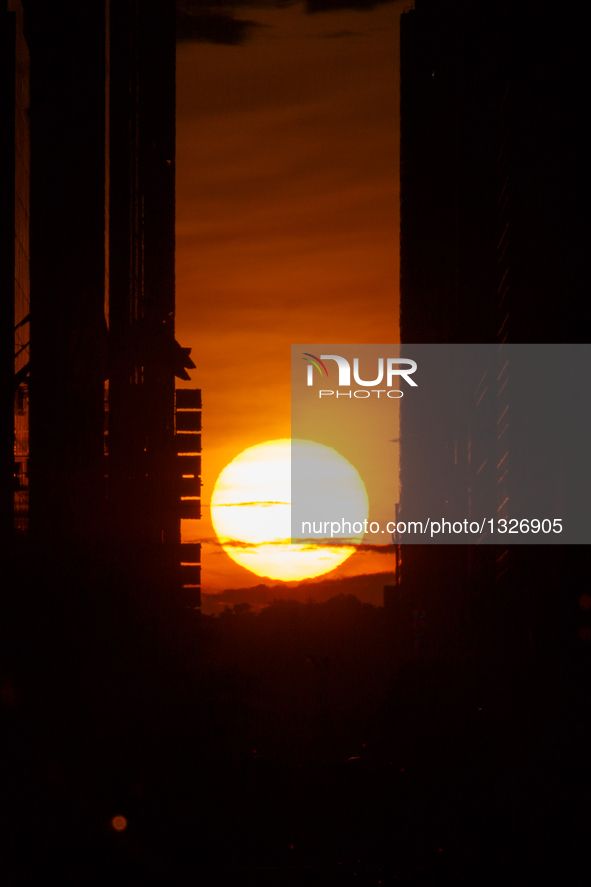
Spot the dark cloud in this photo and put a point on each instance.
(212, 26)
(195, 7)
(377, 549)
(338, 34)
(337, 5)
(334, 543)
(213, 21)
(244, 504)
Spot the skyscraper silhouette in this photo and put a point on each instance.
(107, 486)
(493, 234)
(14, 270)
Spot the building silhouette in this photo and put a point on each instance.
(99, 454)
(112, 455)
(493, 233)
(14, 269)
(144, 467)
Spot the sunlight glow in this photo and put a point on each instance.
(251, 508)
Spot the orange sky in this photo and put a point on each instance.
(287, 222)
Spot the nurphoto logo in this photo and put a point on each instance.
(402, 367)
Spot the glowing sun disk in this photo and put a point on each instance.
(251, 508)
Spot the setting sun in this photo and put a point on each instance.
(251, 508)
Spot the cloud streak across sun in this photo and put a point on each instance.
(256, 533)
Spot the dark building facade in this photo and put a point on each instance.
(68, 214)
(493, 231)
(99, 454)
(112, 466)
(144, 470)
(14, 268)
(494, 227)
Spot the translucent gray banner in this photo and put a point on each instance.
(441, 444)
